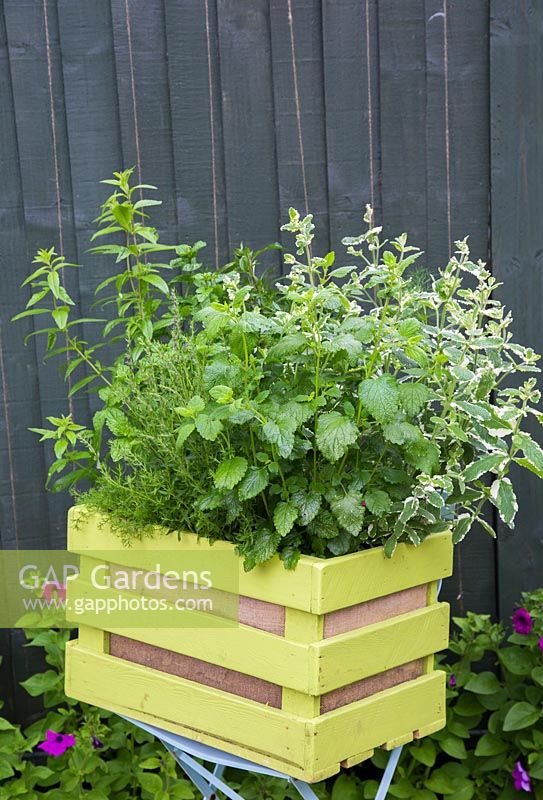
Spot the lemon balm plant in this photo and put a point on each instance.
(331, 410)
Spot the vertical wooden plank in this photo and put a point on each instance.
(517, 245)
(194, 82)
(457, 192)
(352, 113)
(24, 518)
(402, 87)
(296, 29)
(144, 102)
(23, 513)
(92, 121)
(32, 30)
(248, 124)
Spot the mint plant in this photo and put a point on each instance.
(337, 409)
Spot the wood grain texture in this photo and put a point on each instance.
(362, 614)
(369, 686)
(402, 92)
(348, 580)
(297, 71)
(193, 669)
(379, 647)
(104, 679)
(351, 101)
(316, 585)
(517, 247)
(242, 648)
(380, 718)
(311, 748)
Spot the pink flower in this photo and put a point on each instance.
(56, 743)
(452, 681)
(54, 591)
(521, 778)
(541, 644)
(522, 621)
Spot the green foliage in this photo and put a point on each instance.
(111, 759)
(494, 718)
(312, 416)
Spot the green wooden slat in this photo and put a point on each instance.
(517, 246)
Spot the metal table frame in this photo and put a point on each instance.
(187, 751)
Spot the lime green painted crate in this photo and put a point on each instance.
(334, 659)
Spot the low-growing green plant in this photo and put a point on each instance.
(492, 746)
(77, 751)
(338, 409)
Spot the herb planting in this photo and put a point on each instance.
(329, 410)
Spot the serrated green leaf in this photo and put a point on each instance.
(461, 527)
(335, 433)
(207, 427)
(230, 472)
(254, 482)
(533, 454)
(380, 397)
(284, 517)
(308, 504)
(222, 394)
(423, 455)
(401, 432)
(349, 511)
(324, 526)
(377, 502)
(287, 346)
(473, 410)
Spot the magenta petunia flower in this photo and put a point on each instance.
(452, 681)
(96, 742)
(56, 743)
(541, 643)
(56, 591)
(521, 778)
(522, 621)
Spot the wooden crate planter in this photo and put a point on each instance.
(328, 662)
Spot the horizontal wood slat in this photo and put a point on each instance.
(379, 647)
(311, 749)
(193, 669)
(316, 585)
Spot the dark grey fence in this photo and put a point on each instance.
(431, 110)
